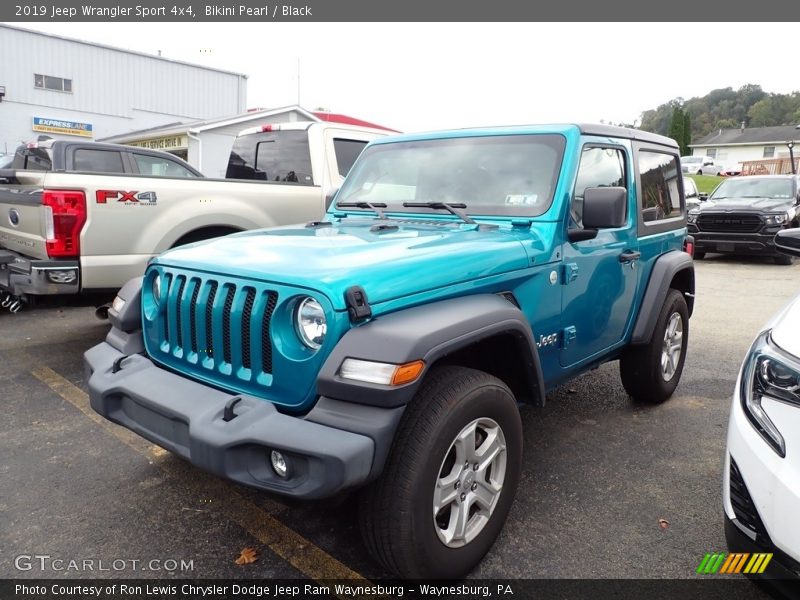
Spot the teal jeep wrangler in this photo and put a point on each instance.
(388, 346)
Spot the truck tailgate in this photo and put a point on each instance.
(22, 221)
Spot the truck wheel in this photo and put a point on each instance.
(650, 373)
(450, 479)
(699, 255)
(783, 259)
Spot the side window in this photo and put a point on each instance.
(99, 161)
(347, 152)
(600, 167)
(157, 166)
(661, 198)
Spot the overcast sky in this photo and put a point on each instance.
(420, 76)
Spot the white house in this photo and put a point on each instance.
(731, 146)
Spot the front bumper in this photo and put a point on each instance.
(780, 567)
(336, 446)
(21, 275)
(734, 243)
(766, 488)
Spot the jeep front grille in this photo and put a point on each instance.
(213, 327)
(729, 222)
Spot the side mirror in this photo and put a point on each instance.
(604, 207)
(329, 197)
(788, 241)
(702, 196)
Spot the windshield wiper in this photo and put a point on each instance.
(376, 207)
(452, 208)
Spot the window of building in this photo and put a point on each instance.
(711, 153)
(47, 82)
(347, 152)
(600, 167)
(769, 151)
(661, 198)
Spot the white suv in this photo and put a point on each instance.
(700, 165)
(761, 491)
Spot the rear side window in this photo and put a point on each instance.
(97, 161)
(661, 197)
(281, 156)
(347, 152)
(157, 166)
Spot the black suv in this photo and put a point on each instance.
(743, 215)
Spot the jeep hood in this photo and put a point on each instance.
(746, 205)
(388, 263)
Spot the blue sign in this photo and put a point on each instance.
(45, 125)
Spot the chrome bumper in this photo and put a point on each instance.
(20, 275)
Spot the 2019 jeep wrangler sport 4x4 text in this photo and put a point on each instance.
(386, 347)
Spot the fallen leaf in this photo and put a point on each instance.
(663, 523)
(247, 556)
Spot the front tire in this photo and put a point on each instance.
(450, 479)
(783, 259)
(650, 373)
(699, 255)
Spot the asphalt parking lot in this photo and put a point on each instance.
(598, 476)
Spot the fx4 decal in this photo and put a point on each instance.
(103, 196)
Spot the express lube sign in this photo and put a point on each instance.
(45, 125)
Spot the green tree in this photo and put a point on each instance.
(687, 134)
(676, 126)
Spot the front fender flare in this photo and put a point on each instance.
(428, 332)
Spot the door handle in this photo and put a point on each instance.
(631, 256)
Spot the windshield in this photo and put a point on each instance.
(493, 175)
(746, 187)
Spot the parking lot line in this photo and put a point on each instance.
(302, 554)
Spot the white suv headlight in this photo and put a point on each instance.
(310, 323)
(769, 372)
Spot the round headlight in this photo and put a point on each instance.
(157, 288)
(309, 322)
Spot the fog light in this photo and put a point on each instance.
(118, 304)
(279, 464)
(67, 276)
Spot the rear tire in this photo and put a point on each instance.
(450, 479)
(650, 373)
(699, 255)
(783, 259)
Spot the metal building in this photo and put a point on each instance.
(65, 88)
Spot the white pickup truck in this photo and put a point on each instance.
(84, 216)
